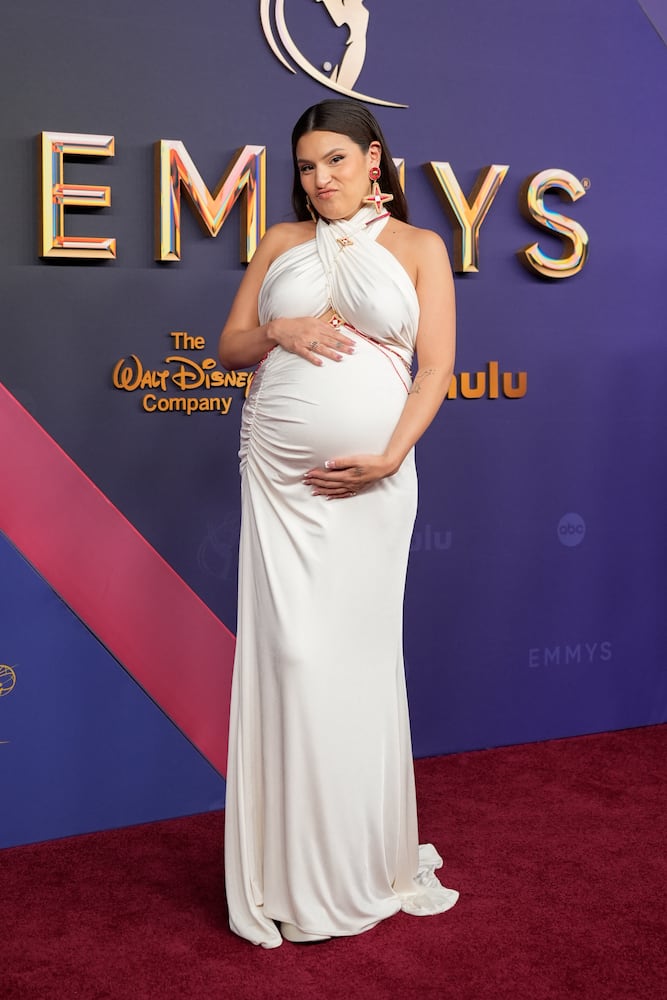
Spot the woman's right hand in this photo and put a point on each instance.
(245, 341)
(313, 338)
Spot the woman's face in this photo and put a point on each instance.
(334, 172)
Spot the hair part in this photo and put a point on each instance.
(355, 121)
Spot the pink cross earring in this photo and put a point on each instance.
(376, 197)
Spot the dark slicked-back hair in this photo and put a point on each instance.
(357, 123)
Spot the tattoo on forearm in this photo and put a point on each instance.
(419, 380)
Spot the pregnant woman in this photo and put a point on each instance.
(320, 821)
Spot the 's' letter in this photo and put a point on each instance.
(532, 206)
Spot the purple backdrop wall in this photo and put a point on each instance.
(536, 588)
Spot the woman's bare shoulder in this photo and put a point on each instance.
(422, 240)
(285, 235)
(416, 248)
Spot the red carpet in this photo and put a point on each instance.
(558, 850)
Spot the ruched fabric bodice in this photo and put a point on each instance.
(361, 280)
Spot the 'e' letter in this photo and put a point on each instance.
(55, 195)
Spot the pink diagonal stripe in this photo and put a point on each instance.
(115, 582)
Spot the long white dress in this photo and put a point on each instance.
(320, 824)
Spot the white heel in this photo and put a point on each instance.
(292, 933)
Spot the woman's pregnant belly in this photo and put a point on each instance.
(298, 415)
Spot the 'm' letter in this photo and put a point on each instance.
(245, 175)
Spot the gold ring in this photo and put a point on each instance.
(313, 344)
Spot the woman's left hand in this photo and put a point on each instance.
(340, 478)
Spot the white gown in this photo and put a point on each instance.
(320, 819)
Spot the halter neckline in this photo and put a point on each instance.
(364, 216)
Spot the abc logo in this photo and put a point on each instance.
(571, 529)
